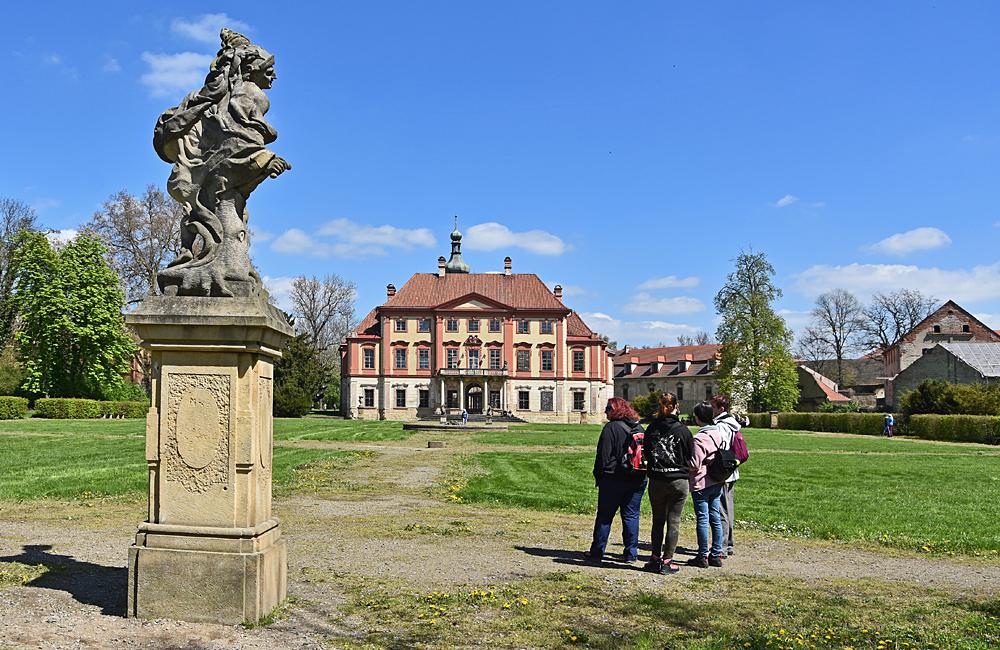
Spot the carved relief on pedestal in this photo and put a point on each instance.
(196, 453)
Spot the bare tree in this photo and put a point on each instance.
(837, 329)
(701, 338)
(324, 310)
(141, 234)
(15, 216)
(890, 316)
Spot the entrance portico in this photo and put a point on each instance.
(473, 389)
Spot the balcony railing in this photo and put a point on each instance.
(473, 372)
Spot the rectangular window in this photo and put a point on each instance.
(400, 324)
(452, 357)
(547, 360)
(547, 401)
(424, 325)
(369, 358)
(578, 400)
(401, 398)
(579, 364)
(453, 399)
(546, 327)
(523, 327)
(452, 325)
(424, 359)
(625, 392)
(474, 357)
(708, 393)
(369, 397)
(425, 399)
(495, 400)
(400, 357)
(495, 363)
(494, 324)
(524, 360)
(473, 324)
(523, 398)
(680, 392)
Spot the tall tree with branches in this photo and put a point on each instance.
(141, 235)
(890, 316)
(15, 217)
(757, 368)
(836, 329)
(700, 338)
(324, 309)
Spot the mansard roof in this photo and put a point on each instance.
(669, 354)
(517, 291)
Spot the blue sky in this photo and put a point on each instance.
(857, 145)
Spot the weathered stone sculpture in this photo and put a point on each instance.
(210, 548)
(216, 140)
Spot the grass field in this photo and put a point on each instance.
(900, 493)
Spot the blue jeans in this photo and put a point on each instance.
(708, 511)
(614, 494)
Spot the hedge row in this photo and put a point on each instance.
(865, 424)
(13, 408)
(62, 408)
(956, 428)
(760, 420)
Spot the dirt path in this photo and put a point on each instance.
(395, 524)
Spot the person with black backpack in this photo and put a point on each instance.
(729, 427)
(710, 466)
(620, 476)
(667, 446)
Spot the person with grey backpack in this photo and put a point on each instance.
(709, 467)
(729, 427)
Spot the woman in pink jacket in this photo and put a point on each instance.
(705, 492)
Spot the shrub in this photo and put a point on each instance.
(840, 407)
(13, 408)
(124, 409)
(291, 401)
(937, 397)
(956, 428)
(760, 420)
(11, 373)
(646, 405)
(126, 391)
(866, 424)
(62, 408)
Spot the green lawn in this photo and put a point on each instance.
(908, 494)
(76, 466)
(310, 428)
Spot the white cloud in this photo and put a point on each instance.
(43, 204)
(786, 201)
(171, 74)
(261, 235)
(649, 332)
(206, 27)
(381, 237)
(918, 239)
(670, 282)
(52, 59)
(795, 320)
(111, 65)
(62, 237)
(295, 242)
(491, 236)
(643, 303)
(970, 285)
(280, 288)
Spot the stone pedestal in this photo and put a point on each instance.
(210, 549)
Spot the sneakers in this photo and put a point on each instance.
(591, 559)
(699, 561)
(715, 560)
(730, 553)
(655, 565)
(670, 568)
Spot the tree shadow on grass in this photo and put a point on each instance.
(88, 583)
(576, 558)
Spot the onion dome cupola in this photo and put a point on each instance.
(456, 264)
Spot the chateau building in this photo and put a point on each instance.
(482, 342)
(687, 371)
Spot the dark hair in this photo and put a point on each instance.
(619, 409)
(721, 402)
(703, 413)
(667, 403)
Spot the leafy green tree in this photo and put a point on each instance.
(299, 377)
(15, 216)
(757, 368)
(72, 340)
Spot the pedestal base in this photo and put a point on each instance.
(206, 574)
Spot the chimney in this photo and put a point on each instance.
(506, 265)
(684, 363)
(557, 291)
(390, 290)
(660, 361)
(441, 263)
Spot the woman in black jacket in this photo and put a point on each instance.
(618, 487)
(667, 448)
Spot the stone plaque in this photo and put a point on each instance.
(196, 452)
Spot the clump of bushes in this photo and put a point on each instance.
(840, 407)
(866, 424)
(13, 408)
(933, 396)
(63, 408)
(760, 420)
(955, 428)
(646, 405)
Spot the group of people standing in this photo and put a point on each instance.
(675, 463)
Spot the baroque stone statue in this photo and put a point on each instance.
(216, 139)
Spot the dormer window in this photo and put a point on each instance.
(937, 329)
(966, 329)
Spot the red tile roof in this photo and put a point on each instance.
(576, 327)
(518, 291)
(670, 354)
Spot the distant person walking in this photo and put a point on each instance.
(705, 491)
(668, 447)
(890, 424)
(619, 488)
(465, 417)
(728, 426)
